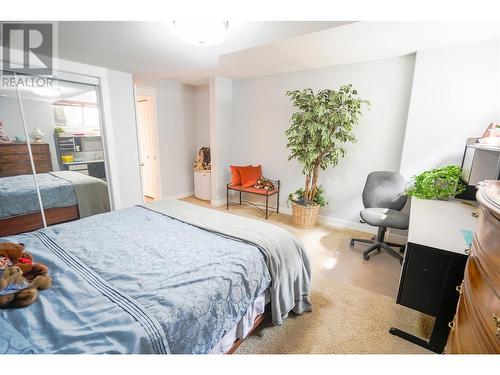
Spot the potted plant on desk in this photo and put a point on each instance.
(439, 183)
(323, 123)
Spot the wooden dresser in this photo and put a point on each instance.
(476, 326)
(14, 159)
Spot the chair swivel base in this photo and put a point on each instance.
(378, 244)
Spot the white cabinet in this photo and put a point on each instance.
(202, 185)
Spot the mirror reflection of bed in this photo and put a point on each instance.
(64, 131)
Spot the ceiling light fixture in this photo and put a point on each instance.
(202, 33)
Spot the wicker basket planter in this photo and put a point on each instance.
(304, 216)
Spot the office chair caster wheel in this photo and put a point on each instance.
(352, 243)
(366, 256)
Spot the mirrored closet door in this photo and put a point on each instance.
(64, 130)
(19, 201)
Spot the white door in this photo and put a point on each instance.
(147, 146)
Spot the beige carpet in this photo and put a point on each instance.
(353, 299)
(346, 319)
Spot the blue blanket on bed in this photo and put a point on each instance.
(134, 281)
(18, 195)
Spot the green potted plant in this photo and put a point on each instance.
(58, 131)
(323, 123)
(439, 183)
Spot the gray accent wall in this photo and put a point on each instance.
(261, 114)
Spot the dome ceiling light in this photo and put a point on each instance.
(201, 33)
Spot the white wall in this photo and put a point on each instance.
(177, 137)
(202, 116)
(37, 113)
(122, 140)
(261, 114)
(455, 95)
(222, 134)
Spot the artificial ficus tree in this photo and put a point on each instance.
(323, 123)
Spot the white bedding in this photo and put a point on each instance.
(244, 326)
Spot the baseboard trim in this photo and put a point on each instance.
(344, 224)
(328, 221)
(337, 223)
(334, 222)
(218, 202)
(180, 196)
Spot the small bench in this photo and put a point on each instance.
(262, 192)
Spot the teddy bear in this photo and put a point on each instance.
(202, 162)
(24, 293)
(22, 259)
(14, 252)
(16, 288)
(11, 275)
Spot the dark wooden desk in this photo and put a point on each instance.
(434, 265)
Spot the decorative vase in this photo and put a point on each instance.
(304, 217)
(37, 135)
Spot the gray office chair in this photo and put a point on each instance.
(383, 198)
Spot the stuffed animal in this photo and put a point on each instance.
(264, 183)
(198, 163)
(11, 275)
(18, 289)
(22, 259)
(202, 162)
(206, 157)
(14, 252)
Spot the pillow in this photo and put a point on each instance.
(235, 174)
(250, 175)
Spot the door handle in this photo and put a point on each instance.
(141, 164)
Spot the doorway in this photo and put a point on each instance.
(148, 142)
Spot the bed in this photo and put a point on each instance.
(66, 196)
(165, 277)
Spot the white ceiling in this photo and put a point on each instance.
(153, 50)
(352, 43)
(67, 90)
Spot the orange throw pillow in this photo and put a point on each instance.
(235, 174)
(250, 175)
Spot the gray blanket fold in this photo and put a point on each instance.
(286, 257)
(91, 193)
